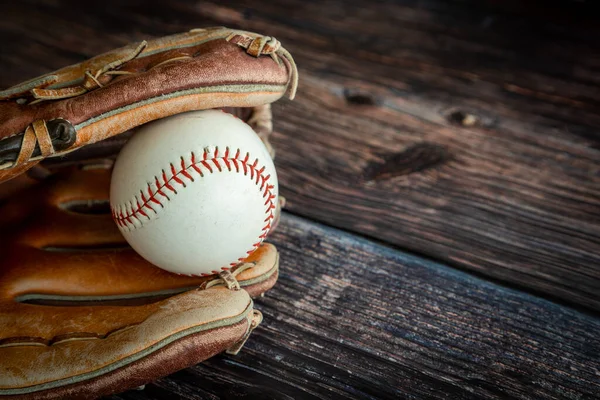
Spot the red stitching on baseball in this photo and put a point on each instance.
(198, 170)
(226, 161)
(216, 162)
(151, 198)
(125, 220)
(184, 171)
(141, 211)
(207, 165)
(174, 176)
(166, 184)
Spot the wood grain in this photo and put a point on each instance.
(466, 132)
(463, 131)
(353, 319)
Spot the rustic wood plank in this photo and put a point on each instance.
(467, 132)
(350, 318)
(451, 140)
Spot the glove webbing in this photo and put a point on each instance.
(228, 278)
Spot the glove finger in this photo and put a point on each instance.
(55, 344)
(64, 243)
(90, 351)
(128, 87)
(29, 274)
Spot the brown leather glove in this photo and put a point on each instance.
(81, 314)
(112, 93)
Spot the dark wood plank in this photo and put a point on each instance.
(464, 131)
(353, 319)
(471, 145)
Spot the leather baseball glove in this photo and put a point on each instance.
(81, 314)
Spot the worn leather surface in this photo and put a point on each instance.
(115, 92)
(82, 315)
(171, 357)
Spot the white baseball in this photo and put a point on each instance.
(194, 193)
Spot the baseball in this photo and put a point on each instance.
(194, 193)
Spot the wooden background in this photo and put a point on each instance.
(442, 168)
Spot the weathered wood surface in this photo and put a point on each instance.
(466, 132)
(349, 318)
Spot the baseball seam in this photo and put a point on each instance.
(164, 186)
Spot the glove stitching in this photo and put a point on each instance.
(125, 214)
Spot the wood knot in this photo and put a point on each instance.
(467, 118)
(417, 158)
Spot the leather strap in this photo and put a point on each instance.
(43, 138)
(27, 146)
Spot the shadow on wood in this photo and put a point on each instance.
(352, 319)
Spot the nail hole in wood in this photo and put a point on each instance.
(359, 98)
(463, 118)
